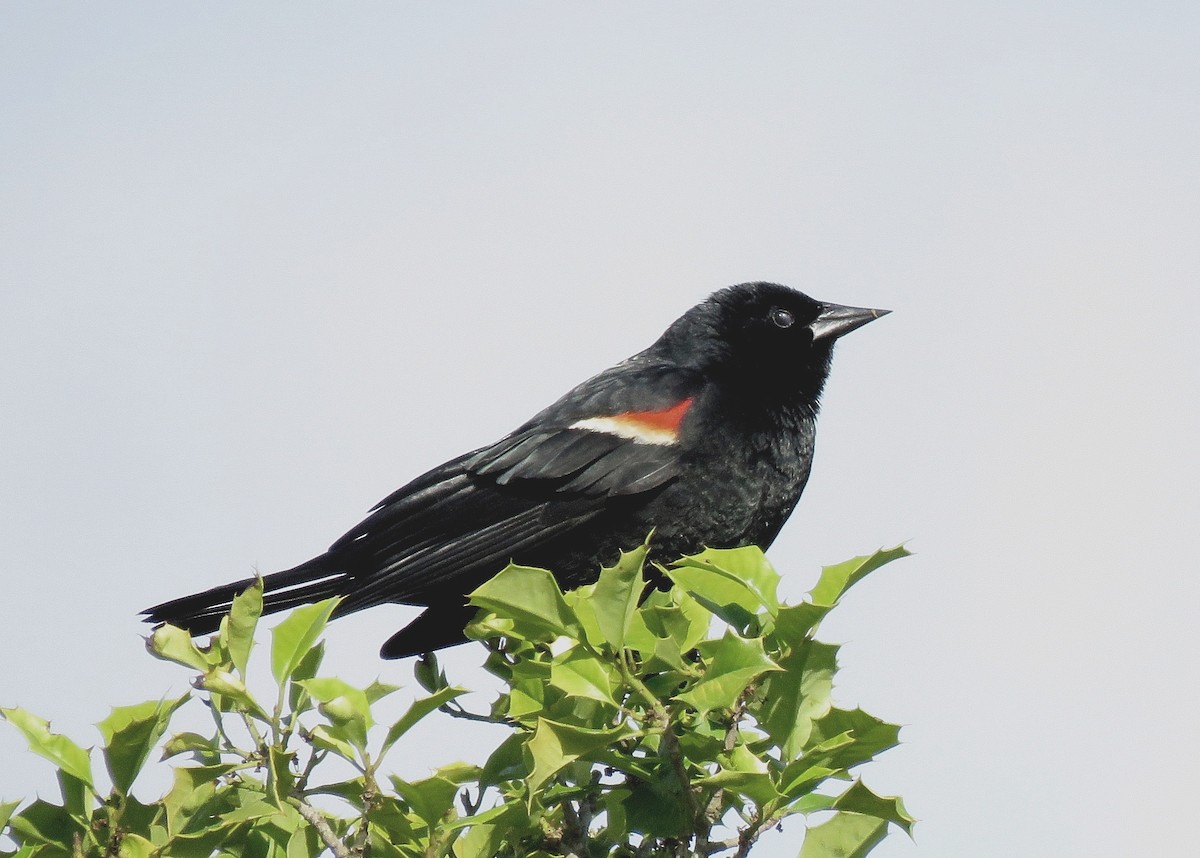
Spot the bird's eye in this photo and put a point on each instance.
(782, 318)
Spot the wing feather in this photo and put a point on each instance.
(450, 529)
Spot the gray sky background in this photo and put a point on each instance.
(260, 266)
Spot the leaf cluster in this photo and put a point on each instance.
(642, 721)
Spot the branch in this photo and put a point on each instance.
(317, 821)
(670, 742)
(716, 801)
(459, 712)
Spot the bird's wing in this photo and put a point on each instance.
(457, 524)
(619, 433)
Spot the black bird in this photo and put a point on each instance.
(706, 437)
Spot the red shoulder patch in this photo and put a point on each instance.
(666, 419)
(646, 427)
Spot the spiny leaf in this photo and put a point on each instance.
(280, 778)
(800, 694)
(554, 745)
(6, 811)
(606, 608)
(222, 682)
(295, 636)
(860, 799)
(871, 735)
(480, 841)
(298, 698)
(418, 711)
(192, 788)
(344, 705)
(846, 835)
(531, 598)
(837, 579)
(329, 738)
(579, 673)
(130, 733)
(135, 846)
(182, 743)
(238, 635)
(55, 747)
(430, 799)
(733, 663)
(429, 674)
(377, 690)
(734, 599)
(745, 774)
(748, 565)
(43, 822)
(174, 644)
(668, 625)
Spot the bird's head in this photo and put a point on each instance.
(763, 338)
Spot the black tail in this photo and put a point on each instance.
(201, 613)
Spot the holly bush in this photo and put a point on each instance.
(642, 721)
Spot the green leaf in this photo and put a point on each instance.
(612, 601)
(204, 842)
(6, 811)
(430, 799)
(846, 835)
(480, 841)
(147, 819)
(43, 822)
(418, 711)
(733, 663)
(222, 682)
(666, 627)
(800, 694)
(56, 748)
(174, 644)
(794, 622)
(749, 567)
(192, 788)
(135, 846)
(292, 639)
(187, 742)
(801, 777)
(75, 795)
(302, 844)
(238, 634)
(860, 799)
(251, 810)
(506, 763)
(298, 698)
(377, 690)
(579, 673)
(745, 774)
(428, 674)
(554, 745)
(344, 705)
(330, 738)
(871, 735)
(280, 778)
(130, 733)
(655, 807)
(836, 580)
(531, 599)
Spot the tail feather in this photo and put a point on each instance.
(435, 628)
(201, 613)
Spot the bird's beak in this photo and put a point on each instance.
(836, 320)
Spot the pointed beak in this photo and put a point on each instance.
(836, 320)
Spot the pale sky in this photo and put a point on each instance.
(260, 266)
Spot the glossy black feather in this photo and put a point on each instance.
(740, 376)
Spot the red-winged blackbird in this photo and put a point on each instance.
(706, 437)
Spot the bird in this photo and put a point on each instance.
(705, 439)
